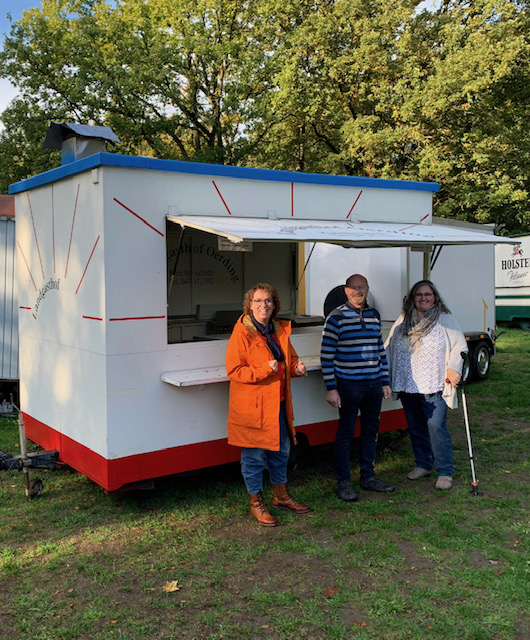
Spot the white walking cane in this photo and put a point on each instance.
(474, 483)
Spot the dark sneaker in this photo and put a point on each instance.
(345, 491)
(374, 484)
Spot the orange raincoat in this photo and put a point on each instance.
(254, 404)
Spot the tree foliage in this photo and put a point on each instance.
(361, 87)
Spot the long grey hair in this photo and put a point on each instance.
(413, 328)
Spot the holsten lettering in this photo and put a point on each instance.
(517, 263)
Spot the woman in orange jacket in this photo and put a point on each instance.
(260, 362)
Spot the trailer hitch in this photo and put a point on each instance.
(39, 460)
(26, 461)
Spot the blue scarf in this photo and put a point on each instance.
(268, 332)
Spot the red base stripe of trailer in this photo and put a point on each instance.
(114, 474)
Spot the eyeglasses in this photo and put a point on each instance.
(424, 295)
(267, 302)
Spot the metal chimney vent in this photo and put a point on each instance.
(77, 141)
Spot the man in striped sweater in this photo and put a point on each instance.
(355, 372)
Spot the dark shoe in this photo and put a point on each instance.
(374, 484)
(345, 491)
(259, 511)
(282, 500)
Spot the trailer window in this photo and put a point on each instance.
(207, 279)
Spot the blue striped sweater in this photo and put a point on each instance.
(352, 346)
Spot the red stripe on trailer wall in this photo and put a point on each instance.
(415, 225)
(221, 196)
(324, 432)
(35, 234)
(136, 318)
(353, 205)
(114, 474)
(27, 265)
(139, 217)
(72, 231)
(84, 272)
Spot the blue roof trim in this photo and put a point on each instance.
(199, 168)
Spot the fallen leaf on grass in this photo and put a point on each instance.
(493, 561)
(330, 592)
(171, 586)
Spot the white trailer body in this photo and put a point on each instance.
(512, 282)
(124, 321)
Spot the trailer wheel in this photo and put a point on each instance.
(35, 488)
(524, 324)
(480, 359)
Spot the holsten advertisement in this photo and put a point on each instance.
(512, 267)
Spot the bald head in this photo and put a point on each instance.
(356, 290)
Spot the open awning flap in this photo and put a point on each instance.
(341, 232)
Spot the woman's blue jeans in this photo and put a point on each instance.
(254, 461)
(365, 397)
(430, 438)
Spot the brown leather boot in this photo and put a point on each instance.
(282, 500)
(259, 511)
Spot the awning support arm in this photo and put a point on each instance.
(174, 270)
(427, 264)
(306, 263)
(437, 249)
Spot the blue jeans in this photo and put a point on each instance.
(365, 397)
(430, 438)
(254, 461)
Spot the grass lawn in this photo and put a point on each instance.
(186, 561)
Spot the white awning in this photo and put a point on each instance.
(341, 232)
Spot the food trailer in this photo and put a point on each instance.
(131, 273)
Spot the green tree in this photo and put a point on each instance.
(173, 78)
(477, 101)
(362, 87)
(377, 88)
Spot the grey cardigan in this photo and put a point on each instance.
(455, 343)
